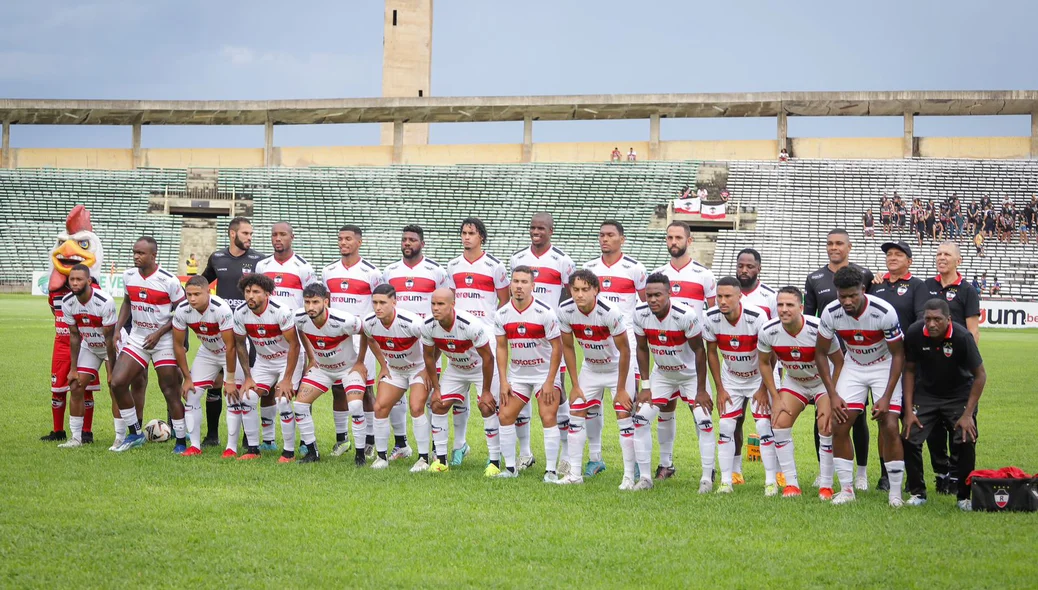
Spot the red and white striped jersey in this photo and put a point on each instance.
(332, 343)
(551, 271)
(290, 278)
(763, 297)
(399, 342)
(266, 329)
(691, 284)
(620, 283)
(476, 284)
(529, 333)
(415, 284)
(796, 352)
(737, 343)
(209, 325)
(668, 339)
(350, 288)
(151, 301)
(594, 332)
(865, 336)
(90, 318)
(459, 343)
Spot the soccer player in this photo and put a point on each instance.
(290, 273)
(692, 285)
(819, 292)
(415, 276)
(350, 281)
(480, 284)
(89, 314)
(529, 352)
(396, 334)
(622, 281)
(671, 332)
(470, 362)
(602, 333)
(276, 373)
(151, 295)
(732, 327)
(330, 334)
(791, 338)
(872, 335)
(212, 320)
(551, 271)
(226, 267)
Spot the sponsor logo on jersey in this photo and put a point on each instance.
(902, 289)
(948, 349)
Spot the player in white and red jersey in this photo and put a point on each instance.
(671, 332)
(870, 330)
(691, 285)
(601, 332)
(731, 327)
(212, 320)
(291, 274)
(465, 342)
(393, 336)
(329, 334)
(415, 276)
(551, 271)
(350, 281)
(791, 337)
(480, 281)
(754, 292)
(278, 368)
(151, 295)
(529, 352)
(89, 316)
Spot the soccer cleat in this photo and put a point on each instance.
(131, 441)
(458, 455)
(179, 449)
(70, 444)
(780, 479)
(506, 474)
(88, 438)
(551, 477)
(526, 463)
(572, 479)
(303, 450)
(791, 492)
(593, 468)
(916, 500)
(116, 444)
(951, 486)
(228, 454)
(627, 484)
(210, 441)
(403, 452)
(706, 486)
(249, 456)
(770, 490)
(380, 463)
(268, 446)
(637, 473)
(341, 448)
(883, 484)
(725, 488)
(861, 483)
(491, 470)
(825, 494)
(361, 458)
(419, 466)
(309, 458)
(845, 496)
(663, 473)
(369, 452)
(563, 469)
(438, 467)
(738, 479)
(285, 459)
(644, 483)
(54, 436)
(191, 452)
(965, 505)
(896, 501)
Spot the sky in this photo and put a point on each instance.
(255, 49)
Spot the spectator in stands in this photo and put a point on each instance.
(930, 217)
(975, 284)
(983, 290)
(724, 194)
(900, 215)
(973, 218)
(937, 230)
(783, 155)
(1026, 222)
(919, 221)
(1007, 204)
(1004, 225)
(868, 223)
(631, 156)
(701, 193)
(616, 155)
(985, 202)
(192, 265)
(957, 223)
(978, 243)
(989, 222)
(996, 287)
(886, 213)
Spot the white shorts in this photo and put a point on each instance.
(806, 395)
(666, 388)
(739, 395)
(526, 390)
(323, 380)
(267, 375)
(856, 381)
(208, 366)
(405, 380)
(89, 363)
(594, 384)
(160, 356)
(455, 385)
(369, 362)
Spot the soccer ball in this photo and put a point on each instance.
(157, 431)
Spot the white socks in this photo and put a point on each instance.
(552, 440)
(577, 435)
(133, 425)
(382, 435)
(492, 431)
(422, 433)
(267, 417)
(398, 417)
(235, 412)
(439, 424)
(707, 443)
(786, 457)
(522, 431)
(896, 475)
(626, 426)
(179, 428)
(825, 461)
(508, 437)
(643, 419)
(342, 422)
(666, 431)
(844, 472)
(120, 430)
(75, 424)
(288, 424)
(193, 416)
(251, 419)
(767, 450)
(359, 424)
(562, 424)
(726, 449)
(594, 424)
(461, 423)
(305, 423)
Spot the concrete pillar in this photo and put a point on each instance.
(527, 138)
(909, 143)
(407, 61)
(5, 153)
(398, 142)
(654, 137)
(783, 132)
(268, 144)
(137, 145)
(1034, 135)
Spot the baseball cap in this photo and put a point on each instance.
(902, 245)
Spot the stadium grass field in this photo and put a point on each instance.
(90, 518)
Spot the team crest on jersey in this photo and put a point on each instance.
(859, 337)
(344, 284)
(203, 329)
(734, 342)
(390, 343)
(948, 350)
(53, 379)
(469, 280)
(588, 331)
(321, 343)
(606, 283)
(246, 271)
(663, 337)
(451, 346)
(675, 288)
(261, 331)
(902, 289)
(536, 272)
(795, 353)
(521, 329)
(950, 295)
(1001, 497)
(278, 278)
(409, 283)
(142, 295)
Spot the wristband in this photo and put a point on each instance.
(645, 384)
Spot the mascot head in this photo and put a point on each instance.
(78, 244)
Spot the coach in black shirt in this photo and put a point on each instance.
(904, 292)
(944, 379)
(962, 298)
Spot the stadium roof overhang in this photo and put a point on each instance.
(514, 108)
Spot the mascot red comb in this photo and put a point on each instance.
(78, 244)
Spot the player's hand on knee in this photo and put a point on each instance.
(248, 385)
(576, 395)
(838, 407)
(548, 393)
(73, 375)
(506, 393)
(152, 340)
(968, 427)
(910, 420)
(186, 388)
(763, 401)
(623, 399)
(723, 399)
(880, 408)
(703, 400)
(231, 391)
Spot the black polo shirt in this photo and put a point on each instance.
(943, 368)
(819, 290)
(962, 298)
(227, 269)
(906, 295)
